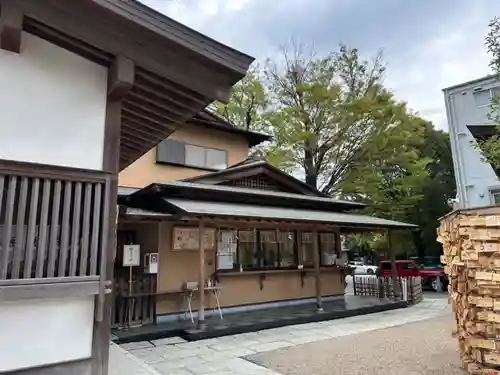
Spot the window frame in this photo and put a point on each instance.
(160, 160)
(493, 194)
(491, 91)
(320, 252)
(237, 266)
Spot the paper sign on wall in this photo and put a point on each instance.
(226, 250)
(131, 255)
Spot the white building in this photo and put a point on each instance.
(467, 109)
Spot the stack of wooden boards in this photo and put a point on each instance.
(471, 247)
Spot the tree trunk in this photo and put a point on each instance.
(309, 167)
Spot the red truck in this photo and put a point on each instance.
(433, 278)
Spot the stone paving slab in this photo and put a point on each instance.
(223, 355)
(122, 362)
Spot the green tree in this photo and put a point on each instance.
(490, 147)
(421, 201)
(439, 189)
(247, 103)
(392, 173)
(326, 110)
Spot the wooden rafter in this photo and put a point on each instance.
(11, 26)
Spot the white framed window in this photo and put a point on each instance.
(483, 98)
(495, 197)
(181, 153)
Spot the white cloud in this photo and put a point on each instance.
(455, 55)
(429, 45)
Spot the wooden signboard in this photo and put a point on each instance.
(186, 238)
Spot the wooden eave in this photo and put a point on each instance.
(152, 195)
(209, 120)
(178, 71)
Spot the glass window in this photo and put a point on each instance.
(216, 159)
(268, 248)
(482, 98)
(495, 92)
(496, 197)
(408, 266)
(195, 156)
(247, 257)
(288, 254)
(307, 248)
(386, 266)
(327, 248)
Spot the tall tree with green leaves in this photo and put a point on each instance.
(490, 147)
(391, 175)
(326, 110)
(247, 103)
(439, 189)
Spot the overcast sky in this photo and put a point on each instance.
(428, 44)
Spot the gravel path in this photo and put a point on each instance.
(424, 347)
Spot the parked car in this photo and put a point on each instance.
(365, 269)
(433, 277)
(404, 268)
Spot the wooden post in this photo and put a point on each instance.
(317, 271)
(201, 278)
(394, 270)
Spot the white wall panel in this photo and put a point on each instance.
(52, 106)
(37, 332)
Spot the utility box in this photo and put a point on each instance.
(151, 263)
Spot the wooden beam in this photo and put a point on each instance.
(162, 84)
(11, 26)
(201, 278)
(121, 77)
(317, 272)
(111, 153)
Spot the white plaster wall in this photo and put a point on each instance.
(37, 332)
(52, 106)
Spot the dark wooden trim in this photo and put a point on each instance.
(104, 302)
(176, 32)
(121, 76)
(317, 271)
(82, 286)
(36, 170)
(11, 26)
(201, 276)
(65, 368)
(184, 165)
(123, 33)
(111, 152)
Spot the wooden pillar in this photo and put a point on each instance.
(394, 270)
(120, 80)
(201, 278)
(317, 272)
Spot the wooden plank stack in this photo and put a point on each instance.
(471, 247)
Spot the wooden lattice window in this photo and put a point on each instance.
(52, 224)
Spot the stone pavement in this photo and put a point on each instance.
(225, 355)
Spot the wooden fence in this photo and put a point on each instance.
(381, 287)
(136, 307)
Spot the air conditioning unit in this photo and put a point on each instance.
(151, 263)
